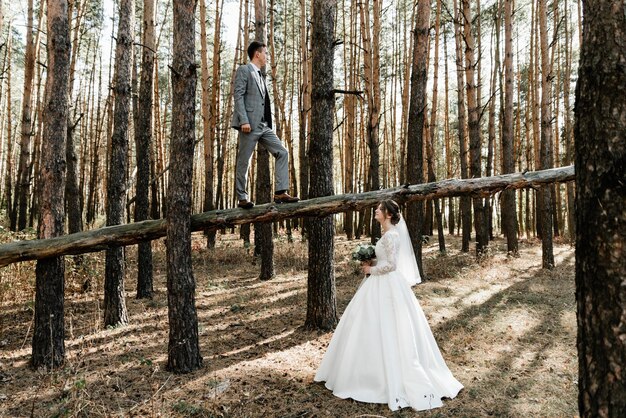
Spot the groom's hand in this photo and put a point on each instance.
(245, 128)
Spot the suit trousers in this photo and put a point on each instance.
(247, 143)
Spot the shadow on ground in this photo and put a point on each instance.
(505, 327)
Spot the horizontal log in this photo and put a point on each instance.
(128, 234)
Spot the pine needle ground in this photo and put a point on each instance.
(506, 328)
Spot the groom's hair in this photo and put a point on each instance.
(254, 47)
(390, 207)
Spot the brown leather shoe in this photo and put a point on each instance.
(285, 198)
(245, 204)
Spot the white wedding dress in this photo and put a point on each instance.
(383, 350)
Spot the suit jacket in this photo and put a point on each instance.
(248, 99)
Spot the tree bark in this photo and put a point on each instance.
(36, 160)
(417, 119)
(304, 110)
(8, 188)
(545, 198)
(534, 77)
(509, 215)
(371, 76)
(433, 124)
(48, 347)
(143, 146)
(114, 298)
(321, 294)
(600, 141)
(263, 238)
(491, 124)
(473, 122)
(465, 204)
(448, 141)
(99, 239)
(304, 104)
(409, 24)
(209, 108)
(22, 186)
(183, 349)
(72, 191)
(350, 123)
(569, 146)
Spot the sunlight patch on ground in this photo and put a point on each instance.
(505, 327)
(258, 343)
(515, 322)
(482, 294)
(568, 321)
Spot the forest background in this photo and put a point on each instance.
(421, 92)
(375, 48)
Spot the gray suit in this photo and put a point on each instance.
(249, 100)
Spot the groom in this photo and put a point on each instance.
(252, 117)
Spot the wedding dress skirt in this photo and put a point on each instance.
(383, 350)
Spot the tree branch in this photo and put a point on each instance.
(355, 92)
(129, 234)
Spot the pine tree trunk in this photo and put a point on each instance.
(473, 122)
(408, 61)
(569, 146)
(430, 155)
(263, 239)
(557, 215)
(350, 128)
(155, 184)
(36, 160)
(448, 141)
(536, 110)
(417, 119)
(210, 108)
(304, 111)
(72, 192)
(4, 68)
(491, 129)
(8, 198)
(545, 198)
(48, 347)
(143, 145)
(221, 150)
(283, 130)
(371, 70)
(321, 294)
(304, 104)
(114, 298)
(183, 349)
(600, 138)
(22, 185)
(465, 206)
(509, 216)
(207, 135)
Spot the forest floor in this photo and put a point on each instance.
(506, 327)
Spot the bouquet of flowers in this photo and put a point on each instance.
(364, 253)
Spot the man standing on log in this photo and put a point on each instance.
(252, 117)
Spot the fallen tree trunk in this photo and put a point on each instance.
(120, 235)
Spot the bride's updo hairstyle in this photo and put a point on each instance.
(390, 207)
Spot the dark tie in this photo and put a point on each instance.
(262, 80)
(267, 114)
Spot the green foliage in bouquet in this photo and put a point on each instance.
(364, 252)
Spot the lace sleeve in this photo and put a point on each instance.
(390, 242)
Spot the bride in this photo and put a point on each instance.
(383, 350)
